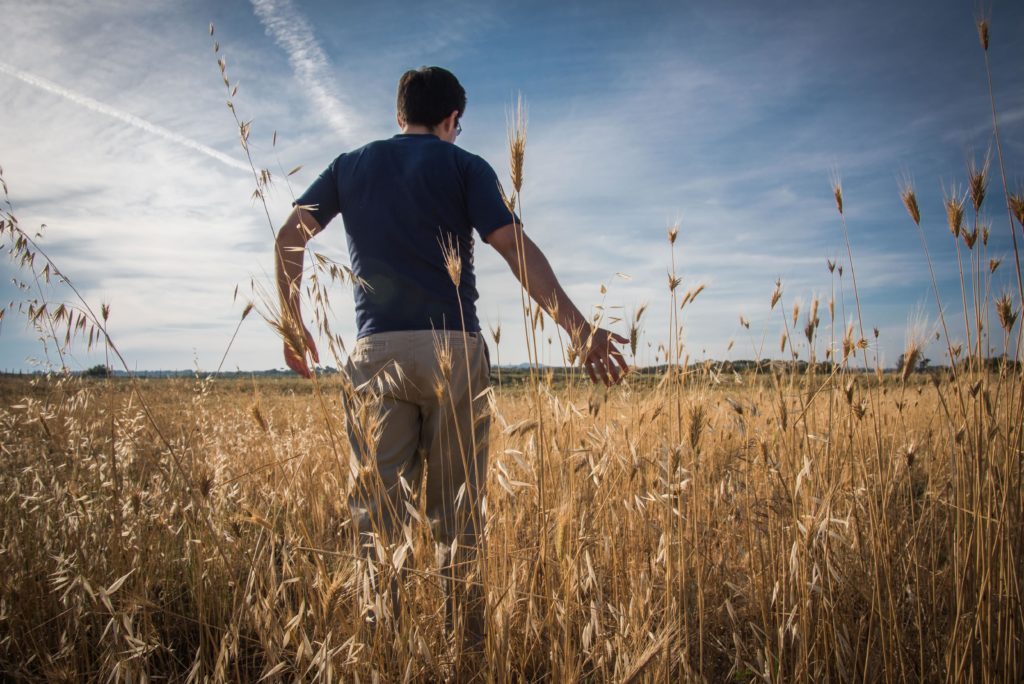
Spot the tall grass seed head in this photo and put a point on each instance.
(510, 201)
(1017, 206)
(443, 354)
(909, 198)
(692, 294)
(452, 260)
(777, 293)
(812, 320)
(292, 332)
(970, 237)
(918, 331)
(954, 202)
(977, 183)
(910, 356)
(517, 144)
(1007, 314)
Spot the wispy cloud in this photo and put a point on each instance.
(122, 116)
(294, 34)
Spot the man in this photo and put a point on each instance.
(410, 204)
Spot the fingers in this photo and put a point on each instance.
(298, 368)
(611, 358)
(613, 372)
(604, 360)
(617, 355)
(314, 354)
(296, 362)
(597, 369)
(617, 366)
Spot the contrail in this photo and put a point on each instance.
(122, 116)
(294, 35)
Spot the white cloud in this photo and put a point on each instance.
(295, 35)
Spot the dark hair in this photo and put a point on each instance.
(429, 94)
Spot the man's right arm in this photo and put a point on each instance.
(599, 355)
(289, 255)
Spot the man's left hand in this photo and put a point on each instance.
(603, 359)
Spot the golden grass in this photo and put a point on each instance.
(801, 547)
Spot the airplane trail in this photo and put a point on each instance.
(120, 115)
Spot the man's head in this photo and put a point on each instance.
(428, 95)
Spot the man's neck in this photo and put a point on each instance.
(447, 130)
(417, 129)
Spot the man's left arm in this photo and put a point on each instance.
(598, 354)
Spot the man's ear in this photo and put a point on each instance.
(398, 118)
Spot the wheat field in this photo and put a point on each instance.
(758, 528)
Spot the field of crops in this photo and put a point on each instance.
(783, 527)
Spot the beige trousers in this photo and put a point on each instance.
(422, 415)
(418, 423)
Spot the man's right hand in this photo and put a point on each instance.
(296, 359)
(289, 251)
(602, 358)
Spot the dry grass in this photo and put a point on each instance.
(802, 548)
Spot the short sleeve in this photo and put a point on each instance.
(322, 196)
(487, 209)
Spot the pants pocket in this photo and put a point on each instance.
(367, 360)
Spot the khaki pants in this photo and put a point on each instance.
(418, 413)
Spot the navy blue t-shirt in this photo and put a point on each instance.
(402, 199)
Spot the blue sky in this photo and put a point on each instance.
(727, 117)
